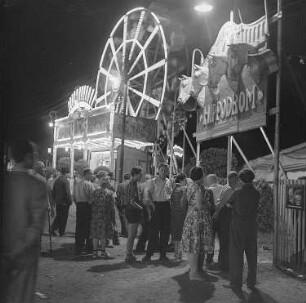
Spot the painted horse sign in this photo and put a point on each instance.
(228, 88)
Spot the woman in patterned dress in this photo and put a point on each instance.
(178, 214)
(197, 238)
(103, 214)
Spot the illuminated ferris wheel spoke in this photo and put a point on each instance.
(150, 68)
(125, 20)
(136, 60)
(136, 34)
(130, 107)
(148, 41)
(146, 97)
(104, 96)
(112, 45)
(106, 73)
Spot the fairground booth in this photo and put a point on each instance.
(228, 89)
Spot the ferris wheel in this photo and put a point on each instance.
(134, 65)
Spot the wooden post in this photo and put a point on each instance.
(242, 154)
(229, 153)
(54, 156)
(188, 140)
(112, 147)
(198, 154)
(71, 161)
(123, 133)
(184, 146)
(277, 129)
(272, 151)
(172, 164)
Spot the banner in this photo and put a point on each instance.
(233, 112)
(139, 129)
(230, 85)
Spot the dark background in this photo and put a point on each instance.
(50, 47)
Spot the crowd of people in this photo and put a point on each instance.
(188, 213)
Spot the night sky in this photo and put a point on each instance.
(53, 46)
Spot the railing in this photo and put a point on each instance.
(290, 253)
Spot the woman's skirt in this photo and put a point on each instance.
(197, 234)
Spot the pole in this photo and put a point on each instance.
(188, 140)
(242, 154)
(229, 153)
(123, 133)
(272, 151)
(198, 154)
(172, 164)
(277, 128)
(112, 147)
(184, 146)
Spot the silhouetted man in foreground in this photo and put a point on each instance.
(24, 210)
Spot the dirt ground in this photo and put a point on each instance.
(64, 278)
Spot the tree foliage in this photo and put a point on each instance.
(265, 217)
(214, 161)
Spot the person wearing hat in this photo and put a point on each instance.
(82, 196)
(243, 231)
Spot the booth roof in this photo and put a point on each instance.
(292, 159)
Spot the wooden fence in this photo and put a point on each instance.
(290, 251)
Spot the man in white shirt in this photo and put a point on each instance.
(82, 196)
(157, 199)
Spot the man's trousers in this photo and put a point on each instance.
(159, 228)
(82, 229)
(243, 238)
(60, 220)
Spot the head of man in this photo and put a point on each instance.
(162, 170)
(232, 179)
(246, 176)
(64, 170)
(103, 177)
(197, 174)
(211, 179)
(136, 173)
(23, 153)
(87, 174)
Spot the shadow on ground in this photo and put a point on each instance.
(65, 252)
(139, 265)
(195, 291)
(259, 296)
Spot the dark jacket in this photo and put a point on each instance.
(245, 202)
(61, 191)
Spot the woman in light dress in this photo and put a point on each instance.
(197, 238)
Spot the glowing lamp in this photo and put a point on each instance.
(51, 124)
(203, 7)
(49, 150)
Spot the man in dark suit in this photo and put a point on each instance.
(62, 197)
